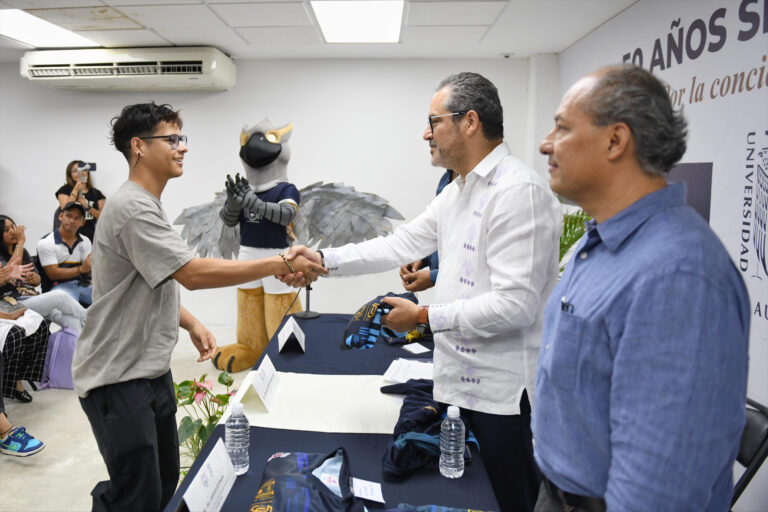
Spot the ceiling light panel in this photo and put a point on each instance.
(38, 33)
(374, 21)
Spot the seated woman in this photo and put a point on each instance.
(79, 188)
(23, 354)
(57, 306)
(15, 441)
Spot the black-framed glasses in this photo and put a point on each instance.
(430, 118)
(172, 139)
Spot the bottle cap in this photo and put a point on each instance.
(453, 411)
(237, 407)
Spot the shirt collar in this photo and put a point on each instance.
(491, 160)
(615, 230)
(57, 239)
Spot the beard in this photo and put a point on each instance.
(448, 155)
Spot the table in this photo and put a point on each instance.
(324, 356)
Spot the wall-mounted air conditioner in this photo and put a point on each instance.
(169, 69)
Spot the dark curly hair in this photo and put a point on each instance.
(140, 120)
(629, 94)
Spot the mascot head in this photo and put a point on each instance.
(265, 153)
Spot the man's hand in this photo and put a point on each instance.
(308, 268)
(85, 266)
(307, 271)
(417, 281)
(409, 269)
(204, 341)
(296, 280)
(402, 317)
(302, 250)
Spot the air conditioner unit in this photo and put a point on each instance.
(169, 69)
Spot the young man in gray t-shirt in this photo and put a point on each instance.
(121, 366)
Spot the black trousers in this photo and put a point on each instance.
(553, 499)
(506, 448)
(134, 424)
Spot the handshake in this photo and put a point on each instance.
(304, 265)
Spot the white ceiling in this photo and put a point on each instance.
(255, 29)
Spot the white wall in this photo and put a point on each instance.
(355, 121)
(718, 132)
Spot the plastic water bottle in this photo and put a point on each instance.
(452, 444)
(237, 437)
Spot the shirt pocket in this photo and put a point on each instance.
(561, 360)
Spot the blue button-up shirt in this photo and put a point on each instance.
(641, 384)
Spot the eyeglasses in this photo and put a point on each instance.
(173, 139)
(430, 118)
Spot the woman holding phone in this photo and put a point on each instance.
(79, 188)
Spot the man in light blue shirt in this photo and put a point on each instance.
(641, 384)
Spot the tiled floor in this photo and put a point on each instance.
(60, 477)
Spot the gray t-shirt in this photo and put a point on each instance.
(133, 324)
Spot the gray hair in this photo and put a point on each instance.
(629, 94)
(471, 91)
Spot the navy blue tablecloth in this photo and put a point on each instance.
(325, 356)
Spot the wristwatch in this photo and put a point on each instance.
(423, 316)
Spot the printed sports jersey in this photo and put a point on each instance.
(365, 328)
(307, 482)
(255, 231)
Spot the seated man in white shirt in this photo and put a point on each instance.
(496, 227)
(65, 255)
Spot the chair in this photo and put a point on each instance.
(45, 283)
(56, 221)
(754, 445)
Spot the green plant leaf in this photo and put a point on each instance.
(206, 432)
(188, 427)
(183, 390)
(224, 399)
(226, 379)
(573, 230)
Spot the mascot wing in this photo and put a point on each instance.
(333, 214)
(205, 232)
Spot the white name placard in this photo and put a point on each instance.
(265, 381)
(291, 333)
(212, 483)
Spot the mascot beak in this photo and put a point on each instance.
(274, 136)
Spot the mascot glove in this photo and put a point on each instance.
(246, 197)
